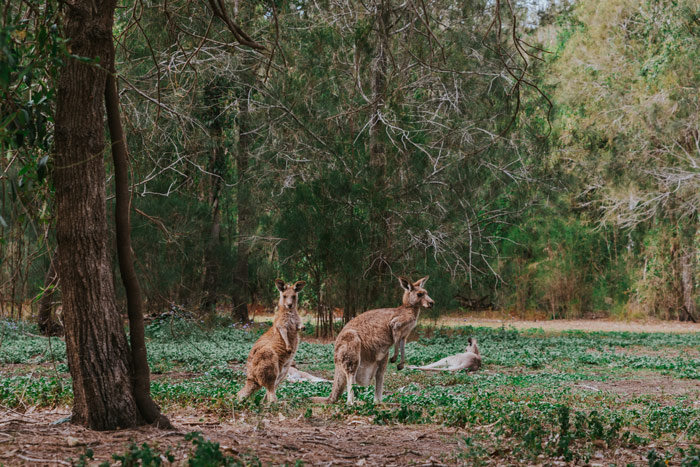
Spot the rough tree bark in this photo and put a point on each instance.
(140, 372)
(110, 380)
(98, 354)
(46, 321)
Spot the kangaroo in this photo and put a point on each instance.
(470, 360)
(362, 347)
(272, 354)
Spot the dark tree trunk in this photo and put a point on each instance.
(122, 215)
(46, 321)
(98, 354)
(378, 161)
(349, 310)
(245, 215)
(111, 382)
(211, 263)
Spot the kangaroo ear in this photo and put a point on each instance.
(298, 286)
(280, 285)
(405, 283)
(420, 283)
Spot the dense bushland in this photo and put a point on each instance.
(354, 151)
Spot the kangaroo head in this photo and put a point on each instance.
(414, 295)
(289, 293)
(472, 347)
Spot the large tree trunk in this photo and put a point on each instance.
(46, 321)
(122, 215)
(98, 354)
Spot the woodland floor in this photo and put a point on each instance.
(31, 439)
(621, 375)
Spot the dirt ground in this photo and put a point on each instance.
(590, 325)
(31, 439)
(645, 385)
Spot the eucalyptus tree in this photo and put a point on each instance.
(398, 112)
(364, 139)
(628, 93)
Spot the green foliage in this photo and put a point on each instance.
(535, 396)
(144, 456)
(207, 453)
(31, 51)
(565, 267)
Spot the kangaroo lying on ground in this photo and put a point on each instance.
(295, 375)
(272, 354)
(362, 347)
(470, 360)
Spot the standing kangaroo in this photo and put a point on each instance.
(362, 347)
(272, 354)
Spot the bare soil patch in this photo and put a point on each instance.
(665, 352)
(30, 439)
(643, 385)
(591, 325)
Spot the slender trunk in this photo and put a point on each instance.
(245, 216)
(47, 324)
(377, 150)
(98, 354)
(377, 156)
(687, 259)
(211, 267)
(122, 215)
(349, 310)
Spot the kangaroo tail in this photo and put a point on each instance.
(339, 383)
(249, 388)
(336, 391)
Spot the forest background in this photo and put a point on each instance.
(539, 161)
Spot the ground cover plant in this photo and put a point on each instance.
(570, 396)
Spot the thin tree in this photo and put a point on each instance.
(48, 326)
(141, 373)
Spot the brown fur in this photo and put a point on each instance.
(362, 347)
(272, 354)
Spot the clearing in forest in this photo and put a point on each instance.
(541, 398)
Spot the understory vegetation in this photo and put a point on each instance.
(573, 396)
(359, 148)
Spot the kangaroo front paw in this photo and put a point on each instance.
(393, 359)
(399, 366)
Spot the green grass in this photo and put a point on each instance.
(533, 394)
